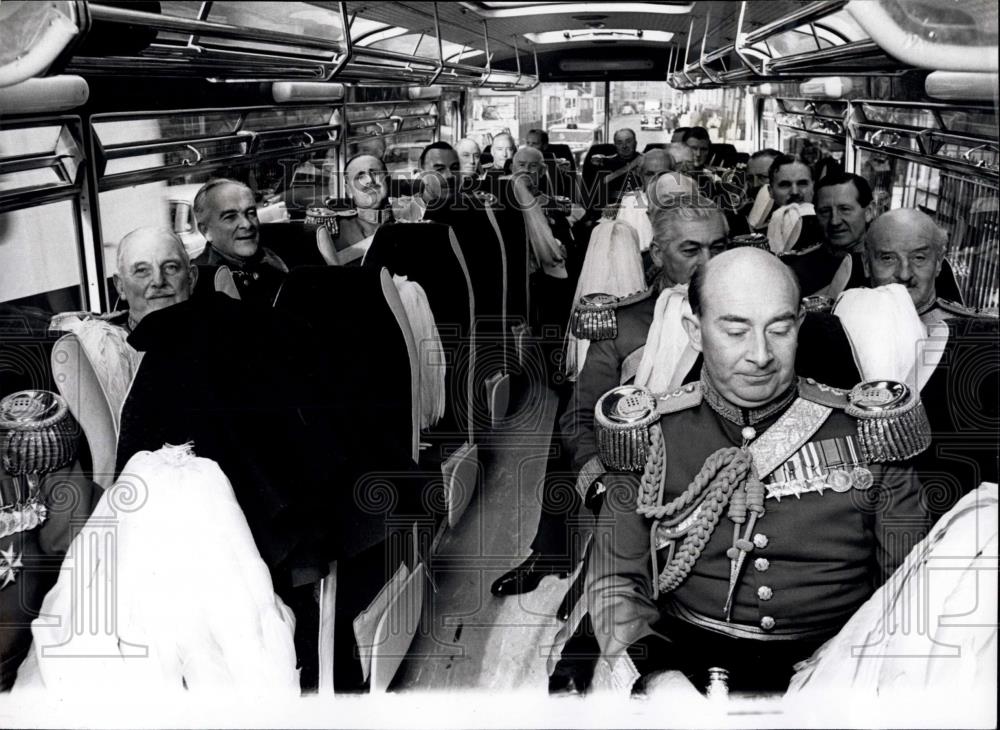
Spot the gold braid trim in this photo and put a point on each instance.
(722, 472)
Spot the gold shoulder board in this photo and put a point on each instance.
(963, 311)
(595, 317)
(892, 423)
(826, 395)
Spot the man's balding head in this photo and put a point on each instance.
(529, 161)
(468, 156)
(154, 271)
(907, 247)
(366, 180)
(681, 155)
(502, 148)
(745, 321)
(655, 163)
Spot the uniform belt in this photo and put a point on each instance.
(745, 631)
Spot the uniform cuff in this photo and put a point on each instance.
(650, 654)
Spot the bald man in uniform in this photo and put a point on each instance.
(782, 540)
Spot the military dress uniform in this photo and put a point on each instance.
(824, 353)
(754, 593)
(961, 398)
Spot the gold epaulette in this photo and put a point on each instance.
(624, 415)
(892, 423)
(989, 313)
(825, 395)
(595, 316)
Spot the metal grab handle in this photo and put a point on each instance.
(197, 157)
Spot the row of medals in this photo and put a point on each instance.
(23, 517)
(839, 480)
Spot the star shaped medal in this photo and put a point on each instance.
(10, 563)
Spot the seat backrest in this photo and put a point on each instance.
(403, 186)
(590, 174)
(429, 254)
(654, 146)
(722, 155)
(293, 241)
(562, 151)
(365, 359)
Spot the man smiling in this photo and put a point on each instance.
(227, 217)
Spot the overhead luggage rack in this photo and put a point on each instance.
(944, 136)
(221, 40)
(814, 40)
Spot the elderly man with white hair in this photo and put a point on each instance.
(902, 329)
(154, 272)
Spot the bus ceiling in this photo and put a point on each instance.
(494, 45)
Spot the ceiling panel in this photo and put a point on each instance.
(463, 25)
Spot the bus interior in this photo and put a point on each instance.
(114, 114)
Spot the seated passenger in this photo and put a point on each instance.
(906, 247)
(697, 139)
(621, 168)
(468, 158)
(227, 216)
(502, 148)
(365, 178)
(760, 591)
(439, 174)
(756, 178)
(154, 272)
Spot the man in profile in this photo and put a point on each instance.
(227, 216)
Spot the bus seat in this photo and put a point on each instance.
(293, 241)
(594, 193)
(722, 155)
(403, 186)
(399, 312)
(562, 151)
(514, 237)
(377, 376)
(481, 241)
(94, 380)
(429, 254)
(654, 146)
(396, 628)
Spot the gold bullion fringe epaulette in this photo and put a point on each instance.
(988, 313)
(595, 316)
(892, 423)
(37, 436)
(623, 416)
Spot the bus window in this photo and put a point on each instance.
(40, 263)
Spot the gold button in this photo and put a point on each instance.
(761, 564)
(760, 540)
(748, 432)
(765, 593)
(767, 623)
